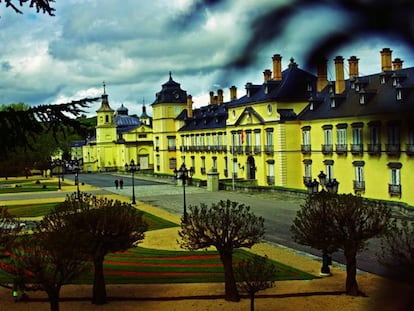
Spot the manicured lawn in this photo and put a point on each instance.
(28, 185)
(35, 210)
(142, 265)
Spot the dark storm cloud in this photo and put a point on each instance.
(6, 66)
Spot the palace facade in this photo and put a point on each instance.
(358, 130)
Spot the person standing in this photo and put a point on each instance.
(121, 183)
(116, 184)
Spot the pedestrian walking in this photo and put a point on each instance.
(116, 184)
(121, 183)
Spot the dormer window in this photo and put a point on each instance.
(311, 106)
(357, 87)
(382, 79)
(399, 92)
(331, 87)
(395, 81)
(333, 102)
(362, 99)
(309, 87)
(266, 90)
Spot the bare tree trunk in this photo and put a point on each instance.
(53, 294)
(351, 267)
(231, 292)
(252, 301)
(99, 289)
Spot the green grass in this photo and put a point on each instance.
(36, 210)
(23, 185)
(149, 266)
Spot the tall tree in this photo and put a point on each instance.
(107, 225)
(40, 5)
(354, 220)
(226, 225)
(24, 125)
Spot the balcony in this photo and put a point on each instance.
(248, 149)
(393, 149)
(270, 180)
(307, 180)
(357, 148)
(171, 148)
(269, 149)
(327, 149)
(359, 185)
(409, 149)
(257, 149)
(341, 148)
(306, 149)
(374, 149)
(394, 190)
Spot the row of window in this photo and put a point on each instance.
(373, 136)
(394, 187)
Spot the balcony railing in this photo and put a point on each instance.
(248, 149)
(270, 180)
(269, 149)
(327, 149)
(394, 190)
(257, 149)
(359, 185)
(374, 149)
(171, 148)
(341, 148)
(409, 149)
(357, 148)
(306, 148)
(307, 180)
(393, 149)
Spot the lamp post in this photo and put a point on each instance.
(132, 167)
(57, 163)
(75, 168)
(330, 186)
(184, 174)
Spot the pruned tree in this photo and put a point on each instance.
(354, 220)
(226, 225)
(40, 5)
(49, 258)
(255, 275)
(397, 248)
(107, 226)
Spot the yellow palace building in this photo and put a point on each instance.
(358, 130)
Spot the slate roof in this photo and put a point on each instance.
(171, 92)
(296, 85)
(212, 116)
(379, 98)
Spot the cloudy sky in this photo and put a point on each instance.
(132, 45)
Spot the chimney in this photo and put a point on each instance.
(233, 93)
(322, 71)
(397, 64)
(189, 106)
(339, 75)
(211, 97)
(219, 96)
(277, 67)
(353, 67)
(386, 59)
(267, 75)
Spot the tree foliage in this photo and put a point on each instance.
(398, 248)
(107, 226)
(226, 225)
(255, 275)
(23, 125)
(40, 5)
(49, 258)
(353, 221)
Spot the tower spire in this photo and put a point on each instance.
(104, 87)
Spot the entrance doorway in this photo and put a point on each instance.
(251, 168)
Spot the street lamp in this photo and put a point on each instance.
(75, 168)
(57, 163)
(184, 174)
(330, 186)
(132, 167)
